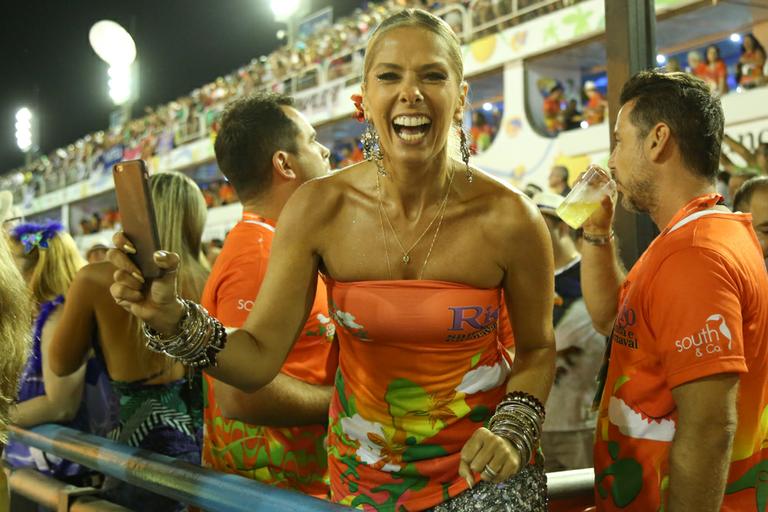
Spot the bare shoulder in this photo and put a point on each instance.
(317, 202)
(501, 205)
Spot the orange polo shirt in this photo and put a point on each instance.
(286, 457)
(693, 306)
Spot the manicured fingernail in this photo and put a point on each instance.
(470, 482)
(160, 254)
(138, 276)
(129, 249)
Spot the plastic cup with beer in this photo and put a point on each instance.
(586, 196)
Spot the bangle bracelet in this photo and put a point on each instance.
(597, 239)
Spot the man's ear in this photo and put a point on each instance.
(658, 141)
(282, 165)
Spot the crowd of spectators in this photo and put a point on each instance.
(326, 55)
(562, 113)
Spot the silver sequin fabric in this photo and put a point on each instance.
(524, 492)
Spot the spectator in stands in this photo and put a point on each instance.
(15, 319)
(714, 71)
(572, 118)
(569, 430)
(96, 253)
(552, 109)
(749, 71)
(558, 180)
(227, 194)
(48, 259)
(400, 437)
(481, 132)
(159, 410)
(752, 197)
(695, 64)
(594, 110)
(673, 65)
(688, 324)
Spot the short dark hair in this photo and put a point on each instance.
(562, 170)
(743, 197)
(687, 106)
(252, 130)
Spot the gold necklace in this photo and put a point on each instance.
(407, 253)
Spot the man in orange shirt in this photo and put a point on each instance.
(267, 149)
(683, 419)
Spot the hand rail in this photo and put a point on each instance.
(164, 475)
(53, 494)
(569, 484)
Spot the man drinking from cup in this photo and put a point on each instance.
(679, 426)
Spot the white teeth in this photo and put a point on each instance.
(412, 120)
(411, 136)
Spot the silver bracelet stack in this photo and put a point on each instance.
(199, 339)
(518, 419)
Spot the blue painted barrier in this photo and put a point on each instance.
(164, 475)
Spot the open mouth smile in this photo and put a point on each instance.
(411, 128)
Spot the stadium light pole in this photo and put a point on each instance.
(285, 12)
(115, 46)
(24, 132)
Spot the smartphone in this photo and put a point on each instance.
(137, 215)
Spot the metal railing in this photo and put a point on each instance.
(207, 489)
(164, 475)
(55, 495)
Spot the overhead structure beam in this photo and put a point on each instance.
(630, 31)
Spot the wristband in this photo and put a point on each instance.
(593, 239)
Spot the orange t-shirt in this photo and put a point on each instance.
(293, 457)
(694, 305)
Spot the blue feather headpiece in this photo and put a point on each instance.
(32, 234)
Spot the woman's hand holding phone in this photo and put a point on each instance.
(157, 305)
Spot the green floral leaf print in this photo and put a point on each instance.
(613, 449)
(420, 413)
(627, 481)
(423, 452)
(620, 382)
(346, 404)
(393, 490)
(757, 478)
(480, 414)
(475, 359)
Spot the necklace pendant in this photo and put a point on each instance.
(406, 258)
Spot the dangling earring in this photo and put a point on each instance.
(372, 148)
(464, 147)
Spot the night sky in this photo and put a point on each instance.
(48, 63)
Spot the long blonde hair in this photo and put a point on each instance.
(181, 212)
(15, 331)
(48, 270)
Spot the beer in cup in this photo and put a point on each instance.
(586, 196)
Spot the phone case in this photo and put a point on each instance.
(137, 215)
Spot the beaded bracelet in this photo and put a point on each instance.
(199, 339)
(594, 239)
(518, 419)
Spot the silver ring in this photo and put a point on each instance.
(490, 472)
